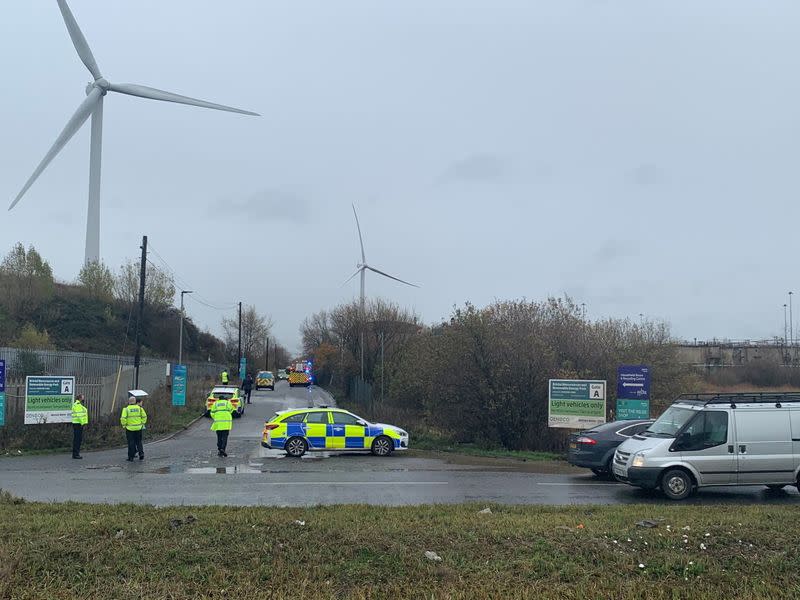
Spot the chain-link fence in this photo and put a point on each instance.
(103, 379)
(360, 397)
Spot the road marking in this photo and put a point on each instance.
(354, 483)
(574, 484)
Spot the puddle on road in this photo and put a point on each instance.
(280, 454)
(223, 470)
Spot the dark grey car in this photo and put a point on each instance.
(594, 448)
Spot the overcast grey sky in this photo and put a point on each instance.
(639, 156)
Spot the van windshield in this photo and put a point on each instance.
(668, 424)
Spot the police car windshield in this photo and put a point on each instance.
(669, 423)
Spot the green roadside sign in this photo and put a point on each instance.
(576, 403)
(48, 399)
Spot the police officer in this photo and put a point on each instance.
(224, 377)
(80, 418)
(133, 419)
(222, 414)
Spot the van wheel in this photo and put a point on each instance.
(776, 487)
(598, 472)
(676, 484)
(295, 446)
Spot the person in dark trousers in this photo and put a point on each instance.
(222, 414)
(247, 386)
(133, 419)
(80, 418)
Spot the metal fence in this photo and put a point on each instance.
(359, 393)
(103, 379)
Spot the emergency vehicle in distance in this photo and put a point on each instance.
(300, 373)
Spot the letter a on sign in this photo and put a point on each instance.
(596, 391)
(66, 386)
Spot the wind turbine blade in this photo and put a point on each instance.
(80, 43)
(360, 240)
(142, 91)
(73, 125)
(391, 277)
(349, 279)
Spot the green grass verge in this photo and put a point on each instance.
(435, 443)
(99, 551)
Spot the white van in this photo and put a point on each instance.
(716, 439)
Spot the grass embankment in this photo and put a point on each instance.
(101, 551)
(427, 440)
(435, 443)
(17, 439)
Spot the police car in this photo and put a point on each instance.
(265, 379)
(226, 392)
(300, 430)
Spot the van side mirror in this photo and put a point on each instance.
(683, 440)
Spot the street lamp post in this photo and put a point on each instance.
(180, 336)
(785, 325)
(791, 321)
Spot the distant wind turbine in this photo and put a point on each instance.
(362, 269)
(93, 105)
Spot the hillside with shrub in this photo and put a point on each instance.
(97, 313)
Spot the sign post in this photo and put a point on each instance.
(576, 403)
(242, 367)
(633, 392)
(179, 385)
(49, 399)
(2, 393)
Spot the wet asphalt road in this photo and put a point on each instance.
(185, 470)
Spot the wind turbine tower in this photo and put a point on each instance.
(362, 269)
(93, 106)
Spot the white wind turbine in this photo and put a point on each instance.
(362, 269)
(93, 105)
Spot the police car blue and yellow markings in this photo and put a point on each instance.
(330, 436)
(226, 393)
(265, 379)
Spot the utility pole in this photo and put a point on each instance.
(266, 354)
(180, 337)
(791, 321)
(138, 355)
(239, 362)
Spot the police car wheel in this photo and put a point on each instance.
(382, 446)
(295, 446)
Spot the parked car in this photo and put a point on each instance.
(714, 440)
(282, 375)
(594, 448)
(225, 392)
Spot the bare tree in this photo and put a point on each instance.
(159, 289)
(255, 330)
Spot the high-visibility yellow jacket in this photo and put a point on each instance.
(133, 417)
(80, 416)
(224, 377)
(222, 413)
